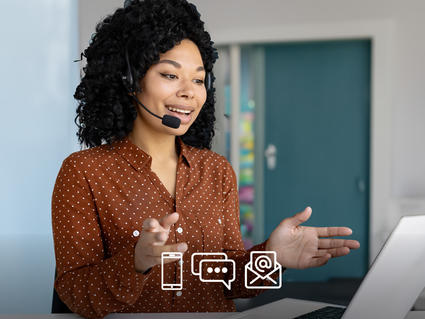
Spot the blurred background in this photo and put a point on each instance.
(319, 102)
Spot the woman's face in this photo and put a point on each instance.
(174, 86)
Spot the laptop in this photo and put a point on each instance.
(389, 289)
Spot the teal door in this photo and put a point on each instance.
(317, 106)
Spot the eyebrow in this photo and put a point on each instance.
(178, 65)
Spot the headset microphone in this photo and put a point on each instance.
(167, 120)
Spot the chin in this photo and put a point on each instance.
(178, 131)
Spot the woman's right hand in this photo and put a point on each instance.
(152, 241)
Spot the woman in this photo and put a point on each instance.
(149, 183)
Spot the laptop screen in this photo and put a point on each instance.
(396, 277)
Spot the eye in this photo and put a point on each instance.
(198, 81)
(169, 76)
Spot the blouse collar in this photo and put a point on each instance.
(138, 158)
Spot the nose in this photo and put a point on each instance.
(186, 90)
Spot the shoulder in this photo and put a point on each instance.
(85, 159)
(205, 157)
(212, 164)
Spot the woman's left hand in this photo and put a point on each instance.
(305, 247)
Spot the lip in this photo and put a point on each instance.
(181, 107)
(184, 118)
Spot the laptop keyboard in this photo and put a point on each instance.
(324, 313)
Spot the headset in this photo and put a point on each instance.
(167, 120)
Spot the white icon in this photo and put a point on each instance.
(216, 267)
(178, 285)
(262, 266)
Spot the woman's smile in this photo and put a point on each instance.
(184, 113)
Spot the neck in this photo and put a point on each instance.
(161, 147)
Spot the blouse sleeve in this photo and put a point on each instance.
(233, 244)
(87, 282)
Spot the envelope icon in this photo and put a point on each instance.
(263, 268)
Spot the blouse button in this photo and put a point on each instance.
(179, 230)
(219, 221)
(178, 293)
(136, 233)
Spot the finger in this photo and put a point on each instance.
(320, 261)
(156, 251)
(153, 238)
(299, 218)
(352, 244)
(150, 225)
(325, 243)
(156, 237)
(169, 220)
(338, 252)
(321, 253)
(333, 231)
(331, 243)
(161, 238)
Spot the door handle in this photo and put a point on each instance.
(270, 154)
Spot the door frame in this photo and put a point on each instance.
(380, 33)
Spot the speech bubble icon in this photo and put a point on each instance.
(218, 270)
(197, 257)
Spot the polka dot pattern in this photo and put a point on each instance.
(101, 198)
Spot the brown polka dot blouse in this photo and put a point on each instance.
(101, 198)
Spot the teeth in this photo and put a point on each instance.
(178, 110)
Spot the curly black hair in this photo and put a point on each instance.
(145, 28)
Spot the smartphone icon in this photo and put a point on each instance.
(178, 284)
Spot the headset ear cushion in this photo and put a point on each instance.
(208, 81)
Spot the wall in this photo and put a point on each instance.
(39, 43)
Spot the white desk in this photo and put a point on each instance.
(286, 308)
